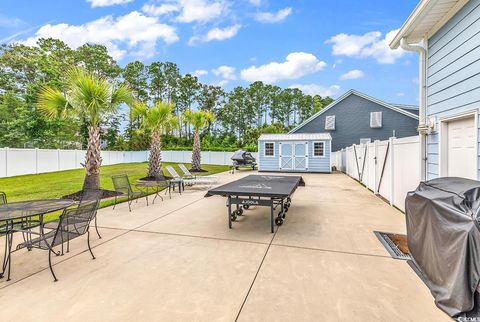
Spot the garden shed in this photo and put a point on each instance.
(295, 152)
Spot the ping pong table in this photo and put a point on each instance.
(259, 190)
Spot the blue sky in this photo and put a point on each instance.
(322, 47)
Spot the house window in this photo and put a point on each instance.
(269, 149)
(376, 120)
(330, 122)
(319, 149)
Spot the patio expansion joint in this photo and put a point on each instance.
(201, 237)
(100, 244)
(256, 274)
(332, 251)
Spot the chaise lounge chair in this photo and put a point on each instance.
(201, 180)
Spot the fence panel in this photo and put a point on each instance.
(406, 168)
(67, 159)
(15, 162)
(371, 177)
(392, 168)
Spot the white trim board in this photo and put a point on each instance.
(344, 96)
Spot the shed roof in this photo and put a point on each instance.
(427, 18)
(295, 137)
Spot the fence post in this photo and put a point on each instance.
(58, 159)
(392, 171)
(36, 160)
(6, 162)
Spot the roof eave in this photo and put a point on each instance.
(420, 13)
(410, 23)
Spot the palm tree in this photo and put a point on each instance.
(90, 98)
(198, 120)
(157, 120)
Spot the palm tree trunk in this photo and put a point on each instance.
(155, 158)
(196, 153)
(93, 159)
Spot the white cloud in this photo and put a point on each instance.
(200, 73)
(314, 89)
(256, 3)
(221, 83)
(190, 11)
(226, 72)
(353, 74)
(160, 10)
(216, 34)
(369, 45)
(107, 3)
(273, 17)
(296, 65)
(400, 94)
(133, 33)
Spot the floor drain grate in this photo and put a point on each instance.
(390, 246)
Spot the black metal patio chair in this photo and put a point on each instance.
(122, 185)
(87, 196)
(3, 198)
(73, 223)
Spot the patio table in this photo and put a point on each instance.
(157, 185)
(21, 214)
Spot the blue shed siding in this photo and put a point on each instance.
(315, 164)
(268, 162)
(453, 73)
(352, 123)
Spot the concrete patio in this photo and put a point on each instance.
(177, 260)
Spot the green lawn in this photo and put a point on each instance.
(61, 183)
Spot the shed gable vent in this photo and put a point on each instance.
(375, 120)
(330, 122)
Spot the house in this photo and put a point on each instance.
(356, 118)
(299, 152)
(446, 35)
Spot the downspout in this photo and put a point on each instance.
(422, 111)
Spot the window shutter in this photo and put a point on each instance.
(330, 122)
(375, 120)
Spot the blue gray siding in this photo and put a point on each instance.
(352, 122)
(453, 73)
(315, 164)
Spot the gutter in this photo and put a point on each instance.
(422, 112)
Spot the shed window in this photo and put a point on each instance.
(375, 120)
(269, 149)
(318, 149)
(330, 122)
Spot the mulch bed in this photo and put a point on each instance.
(77, 196)
(165, 178)
(400, 241)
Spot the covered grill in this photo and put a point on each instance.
(243, 158)
(444, 240)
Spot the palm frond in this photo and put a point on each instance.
(52, 103)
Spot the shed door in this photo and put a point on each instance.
(461, 141)
(286, 160)
(300, 156)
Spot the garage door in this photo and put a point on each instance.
(461, 149)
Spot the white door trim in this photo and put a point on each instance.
(443, 140)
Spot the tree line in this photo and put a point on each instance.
(241, 114)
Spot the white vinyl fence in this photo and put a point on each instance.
(14, 162)
(389, 168)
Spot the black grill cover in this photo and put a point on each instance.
(444, 239)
